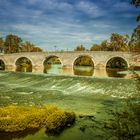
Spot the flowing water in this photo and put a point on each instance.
(90, 98)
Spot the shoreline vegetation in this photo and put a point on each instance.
(27, 118)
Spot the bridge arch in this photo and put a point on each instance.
(23, 64)
(117, 62)
(83, 65)
(2, 64)
(52, 60)
(52, 56)
(82, 56)
(115, 66)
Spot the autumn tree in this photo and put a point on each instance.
(84, 61)
(80, 48)
(137, 4)
(1, 45)
(118, 42)
(27, 46)
(36, 49)
(12, 43)
(95, 47)
(135, 40)
(104, 45)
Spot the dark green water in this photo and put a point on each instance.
(91, 98)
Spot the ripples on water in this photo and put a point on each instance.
(32, 84)
(83, 95)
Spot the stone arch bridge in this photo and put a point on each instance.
(99, 58)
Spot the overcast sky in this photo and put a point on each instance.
(66, 23)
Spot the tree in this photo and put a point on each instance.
(12, 43)
(95, 47)
(1, 44)
(118, 42)
(135, 35)
(135, 40)
(105, 45)
(27, 46)
(135, 2)
(36, 49)
(80, 48)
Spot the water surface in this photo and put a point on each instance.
(91, 98)
(90, 71)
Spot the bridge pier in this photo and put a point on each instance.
(101, 72)
(38, 68)
(10, 68)
(67, 70)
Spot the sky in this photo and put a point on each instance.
(65, 24)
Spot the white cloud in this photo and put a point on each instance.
(90, 8)
(122, 6)
(56, 22)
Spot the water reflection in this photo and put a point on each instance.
(53, 69)
(83, 70)
(52, 65)
(88, 71)
(116, 72)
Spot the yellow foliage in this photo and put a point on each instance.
(19, 118)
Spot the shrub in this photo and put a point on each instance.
(57, 121)
(15, 118)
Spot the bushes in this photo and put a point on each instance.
(15, 118)
(57, 121)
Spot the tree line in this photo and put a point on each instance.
(14, 44)
(117, 42)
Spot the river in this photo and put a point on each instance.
(91, 98)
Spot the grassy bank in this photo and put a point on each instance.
(19, 118)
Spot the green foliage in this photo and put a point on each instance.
(24, 64)
(117, 62)
(135, 40)
(80, 48)
(117, 42)
(15, 118)
(95, 47)
(83, 61)
(58, 121)
(27, 46)
(1, 44)
(12, 43)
